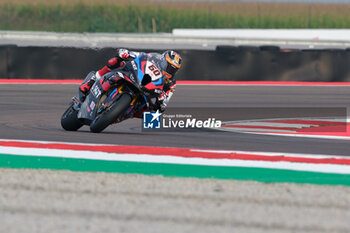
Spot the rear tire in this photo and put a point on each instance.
(110, 115)
(69, 119)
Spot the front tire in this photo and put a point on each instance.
(69, 119)
(110, 115)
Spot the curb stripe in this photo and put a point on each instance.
(272, 124)
(294, 127)
(262, 131)
(243, 161)
(309, 135)
(180, 162)
(252, 127)
(337, 130)
(175, 152)
(310, 122)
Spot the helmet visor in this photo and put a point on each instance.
(171, 69)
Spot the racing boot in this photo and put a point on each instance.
(85, 87)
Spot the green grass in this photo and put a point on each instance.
(134, 17)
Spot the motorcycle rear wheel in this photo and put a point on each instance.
(110, 115)
(69, 119)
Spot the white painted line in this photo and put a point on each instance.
(232, 129)
(340, 120)
(330, 119)
(281, 133)
(291, 133)
(303, 135)
(273, 124)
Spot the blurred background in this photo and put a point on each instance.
(281, 40)
(163, 16)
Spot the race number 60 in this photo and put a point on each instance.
(154, 69)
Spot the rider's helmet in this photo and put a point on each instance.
(173, 62)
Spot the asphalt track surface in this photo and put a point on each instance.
(65, 201)
(32, 112)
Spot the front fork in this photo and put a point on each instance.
(131, 110)
(110, 98)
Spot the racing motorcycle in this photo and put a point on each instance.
(136, 85)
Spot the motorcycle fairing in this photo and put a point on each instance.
(145, 66)
(85, 111)
(88, 108)
(149, 66)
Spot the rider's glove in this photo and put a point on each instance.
(123, 53)
(162, 97)
(162, 103)
(162, 106)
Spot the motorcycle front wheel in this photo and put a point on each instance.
(110, 115)
(69, 119)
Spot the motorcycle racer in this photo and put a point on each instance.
(170, 62)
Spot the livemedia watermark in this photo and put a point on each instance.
(157, 120)
(189, 119)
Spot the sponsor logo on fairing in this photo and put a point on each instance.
(134, 66)
(132, 77)
(92, 105)
(96, 91)
(120, 74)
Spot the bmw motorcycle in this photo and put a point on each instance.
(136, 85)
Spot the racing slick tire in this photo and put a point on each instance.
(69, 119)
(110, 115)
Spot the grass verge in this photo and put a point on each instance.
(145, 16)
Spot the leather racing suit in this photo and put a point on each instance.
(123, 56)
